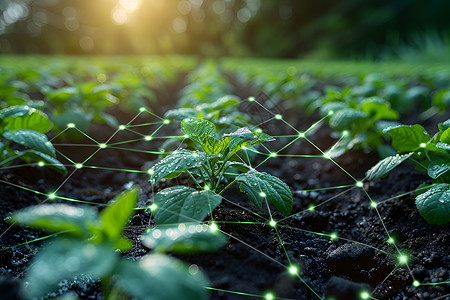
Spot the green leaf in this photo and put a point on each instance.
(37, 156)
(25, 117)
(179, 161)
(181, 113)
(110, 120)
(31, 139)
(63, 259)
(434, 204)
(57, 217)
(407, 138)
(343, 118)
(158, 277)
(445, 137)
(237, 165)
(81, 119)
(438, 167)
(260, 185)
(181, 204)
(184, 238)
(379, 110)
(213, 146)
(115, 217)
(384, 166)
(244, 137)
(198, 130)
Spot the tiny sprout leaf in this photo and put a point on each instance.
(445, 137)
(115, 217)
(384, 166)
(25, 117)
(434, 204)
(31, 139)
(158, 277)
(65, 259)
(260, 185)
(438, 167)
(181, 204)
(184, 238)
(407, 138)
(198, 130)
(57, 217)
(179, 161)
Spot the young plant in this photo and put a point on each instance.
(206, 166)
(87, 245)
(26, 126)
(428, 154)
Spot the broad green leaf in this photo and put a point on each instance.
(115, 217)
(184, 238)
(181, 204)
(379, 110)
(25, 117)
(343, 118)
(238, 165)
(434, 204)
(438, 167)
(260, 185)
(242, 133)
(445, 137)
(159, 277)
(384, 166)
(198, 130)
(406, 138)
(242, 137)
(81, 119)
(57, 217)
(63, 259)
(49, 161)
(31, 139)
(213, 146)
(179, 161)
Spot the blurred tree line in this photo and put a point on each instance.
(273, 28)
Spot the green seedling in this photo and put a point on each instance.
(87, 244)
(428, 154)
(26, 127)
(206, 166)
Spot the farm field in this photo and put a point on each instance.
(228, 178)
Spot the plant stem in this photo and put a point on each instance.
(195, 180)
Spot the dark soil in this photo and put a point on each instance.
(254, 261)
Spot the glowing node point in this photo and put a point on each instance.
(364, 295)
(70, 125)
(51, 196)
(142, 109)
(102, 145)
(150, 171)
(262, 194)
(259, 130)
(272, 223)
(41, 163)
(244, 148)
(373, 204)
(166, 121)
(278, 117)
(422, 145)
(206, 188)
(416, 283)
(48, 143)
(330, 112)
(327, 155)
(269, 296)
(122, 127)
(333, 236)
(391, 241)
(301, 135)
(293, 270)
(148, 138)
(311, 208)
(153, 207)
(402, 259)
(273, 154)
(345, 132)
(251, 99)
(78, 166)
(359, 184)
(213, 226)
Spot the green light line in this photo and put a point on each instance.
(326, 188)
(32, 241)
(115, 169)
(143, 124)
(244, 294)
